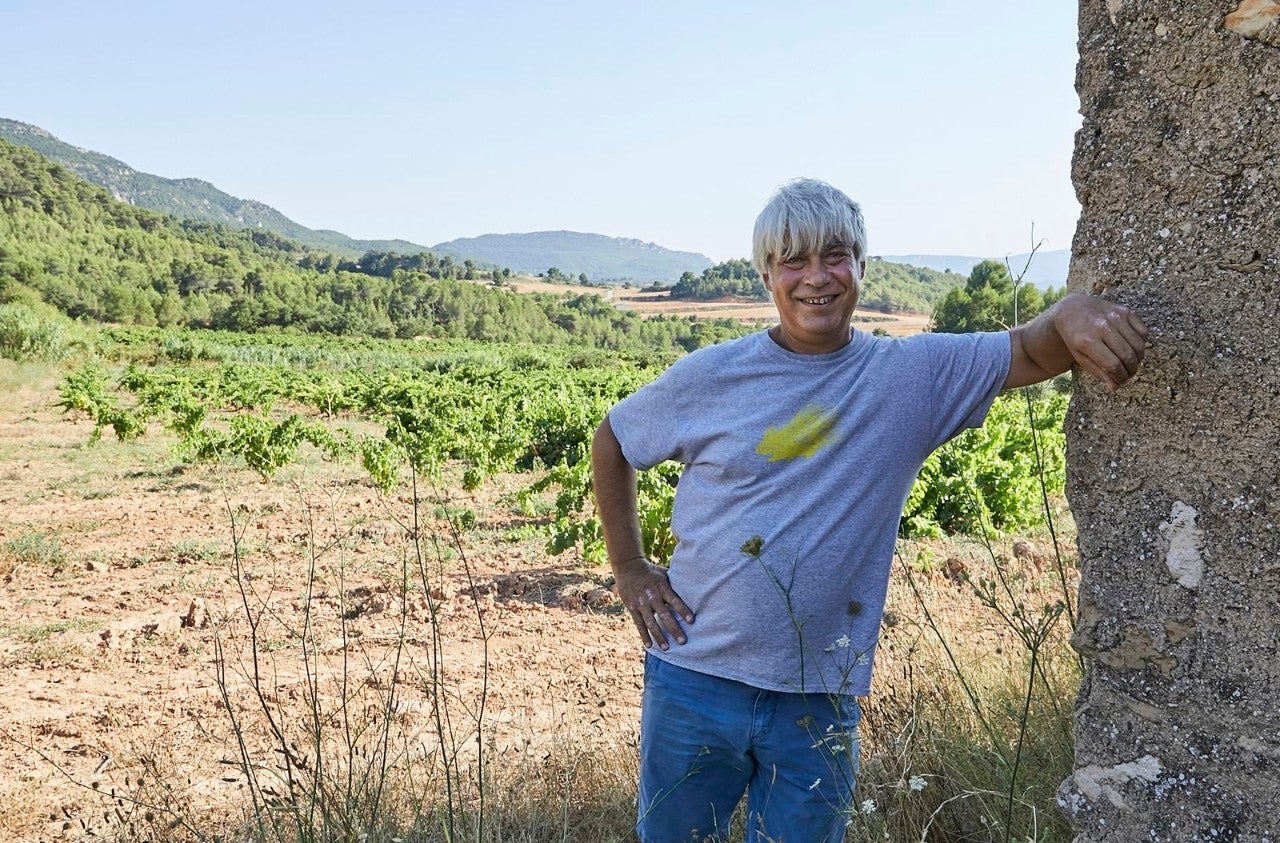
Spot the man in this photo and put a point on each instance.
(800, 445)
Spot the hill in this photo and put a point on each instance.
(67, 244)
(187, 198)
(1048, 269)
(600, 258)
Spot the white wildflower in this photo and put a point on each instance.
(863, 659)
(869, 806)
(816, 782)
(917, 783)
(843, 642)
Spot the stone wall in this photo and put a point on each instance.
(1175, 479)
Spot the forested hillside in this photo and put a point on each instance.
(66, 242)
(888, 287)
(186, 198)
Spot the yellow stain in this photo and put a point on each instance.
(806, 434)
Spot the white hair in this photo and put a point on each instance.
(804, 217)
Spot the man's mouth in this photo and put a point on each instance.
(819, 301)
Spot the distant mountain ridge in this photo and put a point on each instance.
(1047, 269)
(599, 257)
(187, 198)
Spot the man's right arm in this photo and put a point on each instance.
(642, 585)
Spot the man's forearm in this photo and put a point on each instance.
(643, 586)
(614, 482)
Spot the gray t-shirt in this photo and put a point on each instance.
(796, 470)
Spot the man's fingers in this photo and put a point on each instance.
(1137, 324)
(1131, 334)
(681, 607)
(1120, 356)
(657, 610)
(666, 619)
(1103, 364)
(645, 638)
(1113, 348)
(658, 623)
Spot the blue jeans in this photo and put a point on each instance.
(704, 740)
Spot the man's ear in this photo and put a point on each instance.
(765, 278)
(862, 269)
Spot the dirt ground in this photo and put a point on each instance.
(119, 587)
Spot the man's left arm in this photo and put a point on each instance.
(1106, 339)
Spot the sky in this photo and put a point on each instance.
(671, 122)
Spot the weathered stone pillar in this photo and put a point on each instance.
(1175, 479)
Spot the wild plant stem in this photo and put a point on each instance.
(456, 539)
(1031, 635)
(310, 662)
(258, 679)
(1048, 519)
(1017, 758)
(955, 665)
(439, 707)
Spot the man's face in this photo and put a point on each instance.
(815, 295)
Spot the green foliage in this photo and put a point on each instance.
(989, 477)
(67, 243)
(265, 444)
(255, 398)
(85, 390)
(732, 278)
(577, 525)
(35, 548)
(901, 288)
(25, 334)
(490, 408)
(990, 301)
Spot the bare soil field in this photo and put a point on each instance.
(124, 633)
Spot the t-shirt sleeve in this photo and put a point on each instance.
(648, 422)
(969, 371)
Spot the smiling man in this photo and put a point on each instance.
(800, 445)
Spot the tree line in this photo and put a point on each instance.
(67, 243)
(990, 300)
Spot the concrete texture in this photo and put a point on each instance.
(1175, 479)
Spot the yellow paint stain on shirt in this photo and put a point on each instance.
(809, 432)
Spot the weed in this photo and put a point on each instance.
(193, 550)
(53, 651)
(38, 633)
(34, 548)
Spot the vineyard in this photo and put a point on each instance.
(291, 587)
(399, 407)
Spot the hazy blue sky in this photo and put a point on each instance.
(667, 121)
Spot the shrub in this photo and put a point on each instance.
(27, 335)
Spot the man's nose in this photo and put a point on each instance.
(815, 272)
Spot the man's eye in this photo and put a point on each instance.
(793, 263)
(836, 257)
